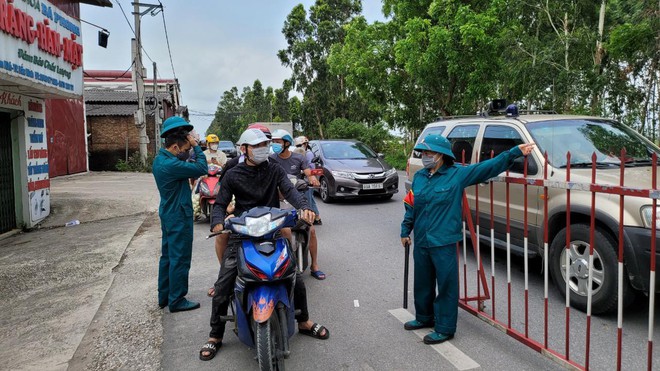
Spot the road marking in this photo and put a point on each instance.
(356, 303)
(452, 354)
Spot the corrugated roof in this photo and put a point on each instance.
(110, 109)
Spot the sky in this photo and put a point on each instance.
(215, 44)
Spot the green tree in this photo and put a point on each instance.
(309, 41)
(228, 123)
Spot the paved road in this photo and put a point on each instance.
(360, 302)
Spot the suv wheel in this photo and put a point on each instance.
(325, 191)
(605, 267)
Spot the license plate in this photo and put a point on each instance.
(372, 186)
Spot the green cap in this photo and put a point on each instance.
(174, 122)
(436, 143)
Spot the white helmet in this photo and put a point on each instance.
(252, 137)
(282, 134)
(301, 140)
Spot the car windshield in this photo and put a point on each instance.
(585, 137)
(346, 150)
(225, 144)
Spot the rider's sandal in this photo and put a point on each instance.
(212, 348)
(316, 331)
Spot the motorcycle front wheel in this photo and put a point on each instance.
(270, 345)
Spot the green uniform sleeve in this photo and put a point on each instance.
(485, 170)
(182, 169)
(408, 222)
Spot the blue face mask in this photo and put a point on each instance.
(277, 148)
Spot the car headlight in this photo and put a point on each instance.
(647, 212)
(257, 227)
(390, 172)
(343, 174)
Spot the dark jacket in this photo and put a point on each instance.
(254, 186)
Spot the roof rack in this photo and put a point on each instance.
(538, 112)
(442, 118)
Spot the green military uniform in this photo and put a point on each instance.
(434, 212)
(176, 217)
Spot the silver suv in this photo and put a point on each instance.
(558, 134)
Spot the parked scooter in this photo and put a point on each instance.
(262, 309)
(209, 186)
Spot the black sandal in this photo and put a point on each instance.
(316, 331)
(211, 347)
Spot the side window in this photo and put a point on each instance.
(500, 138)
(429, 130)
(462, 138)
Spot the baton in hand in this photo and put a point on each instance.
(405, 275)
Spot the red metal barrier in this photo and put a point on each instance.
(545, 184)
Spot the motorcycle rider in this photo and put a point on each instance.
(302, 147)
(221, 240)
(213, 156)
(254, 182)
(171, 172)
(212, 153)
(293, 164)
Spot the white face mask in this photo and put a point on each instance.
(429, 161)
(213, 147)
(260, 154)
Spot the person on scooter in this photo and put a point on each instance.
(294, 164)
(302, 147)
(213, 155)
(172, 171)
(221, 241)
(254, 182)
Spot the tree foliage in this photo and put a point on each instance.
(255, 104)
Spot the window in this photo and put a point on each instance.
(500, 138)
(462, 139)
(429, 130)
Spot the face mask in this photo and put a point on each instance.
(213, 147)
(429, 162)
(259, 155)
(277, 148)
(183, 156)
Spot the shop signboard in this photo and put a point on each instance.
(40, 47)
(36, 151)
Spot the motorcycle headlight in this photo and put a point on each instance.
(343, 174)
(647, 215)
(390, 172)
(204, 189)
(257, 227)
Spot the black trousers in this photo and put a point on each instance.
(224, 288)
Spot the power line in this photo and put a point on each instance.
(132, 30)
(167, 38)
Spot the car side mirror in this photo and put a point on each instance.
(519, 166)
(380, 155)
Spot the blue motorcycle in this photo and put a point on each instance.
(262, 309)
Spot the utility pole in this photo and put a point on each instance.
(157, 117)
(138, 75)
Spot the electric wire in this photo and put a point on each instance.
(132, 30)
(167, 38)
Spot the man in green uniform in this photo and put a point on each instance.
(434, 212)
(172, 172)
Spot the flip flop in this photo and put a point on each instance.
(316, 331)
(318, 275)
(211, 347)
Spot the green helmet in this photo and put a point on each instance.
(174, 122)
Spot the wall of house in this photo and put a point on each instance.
(66, 136)
(110, 138)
